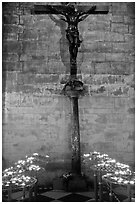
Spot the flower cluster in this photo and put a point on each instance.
(18, 181)
(120, 179)
(19, 173)
(116, 171)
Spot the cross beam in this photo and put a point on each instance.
(46, 9)
(72, 15)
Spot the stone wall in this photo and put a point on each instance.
(36, 115)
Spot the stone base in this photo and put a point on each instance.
(77, 184)
(74, 184)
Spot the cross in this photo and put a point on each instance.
(72, 15)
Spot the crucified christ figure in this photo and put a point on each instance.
(72, 16)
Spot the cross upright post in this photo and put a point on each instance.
(72, 15)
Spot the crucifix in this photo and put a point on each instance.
(72, 15)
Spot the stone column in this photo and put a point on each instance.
(75, 138)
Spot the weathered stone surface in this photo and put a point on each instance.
(115, 57)
(102, 67)
(100, 79)
(95, 56)
(131, 29)
(117, 19)
(119, 9)
(104, 36)
(119, 28)
(11, 20)
(11, 47)
(10, 37)
(122, 68)
(11, 28)
(87, 67)
(11, 66)
(35, 68)
(105, 47)
(99, 26)
(129, 20)
(29, 47)
(131, 9)
(10, 57)
(28, 35)
(10, 7)
(123, 47)
(130, 38)
(36, 115)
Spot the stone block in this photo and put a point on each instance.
(95, 36)
(43, 35)
(4, 78)
(117, 19)
(130, 57)
(56, 67)
(34, 55)
(105, 146)
(7, 57)
(129, 20)
(131, 29)
(25, 88)
(104, 47)
(122, 68)
(29, 46)
(102, 67)
(119, 28)
(25, 78)
(97, 104)
(28, 34)
(94, 57)
(129, 38)
(44, 45)
(36, 67)
(11, 66)
(110, 57)
(123, 47)
(119, 8)
(90, 46)
(114, 37)
(11, 28)
(8, 19)
(47, 78)
(11, 47)
(87, 67)
(25, 57)
(131, 9)
(10, 7)
(87, 79)
(104, 36)
(98, 18)
(26, 7)
(96, 26)
(28, 20)
(55, 56)
(10, 87)
(10, 37)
